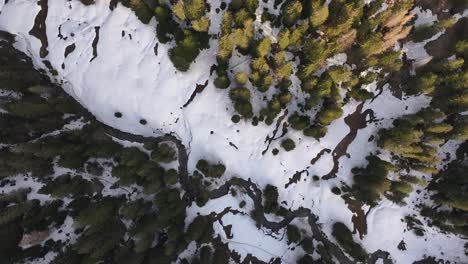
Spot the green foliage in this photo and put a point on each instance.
(241, 98)
(319, 13)
(344, 237)
(283, 38)
(65, 185)
(241, 78)
(211, 170)
(164, 153)
(329, 113)
(424, 32)
(371, 182)
(222, 81)
(29, 109)
(360, 94)
(263, 47)
(410, 138)
(271, 205)
(187, 50)
(449, 186)
(293, 234)
(201, 25)
(12, 213)
(142, 11)
(315, 131)
(372, 44)
(288, 144)
(97, 213)
(194, 9)
(422, 84)
(291, 12)
(298, 122)
(339, 74)
(87, 2)
(96, 242)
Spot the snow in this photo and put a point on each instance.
(423, 16)
(127, 76)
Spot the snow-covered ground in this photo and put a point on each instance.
(132, 74)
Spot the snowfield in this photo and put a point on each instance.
(130, 72)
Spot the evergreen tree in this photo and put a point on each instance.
(288, 144)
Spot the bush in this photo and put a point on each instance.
(239, 94)
(344, 237)
(293, 233)
(222, 81)
(271, 199)
(263, 47)
(241, 78)
(201, 25)
(422, 84)
(315, 131)
(186, 51)
(209, 170)
(291, 12)
(371, 182)
(329, 113)
(424, 32)
(298, 122)
(288, 144)
(235, 118)
(319, 13)
(244, 108)
(164, 153)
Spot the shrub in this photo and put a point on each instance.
(293, 233)
(424, 32)
(239, 94)
(344, 237)
(241, 78)
(329, 113)
(186, 51)
(244, 108)
(315, 131)
(263, 47)
(164, 153)
(319, 13)
(288, 144)
(209, 170)
(291, 12)
(298, 122)
(371, 182)
(202, 24)
(194, 9)
(235, 118)
(222, 81)
(271, 199)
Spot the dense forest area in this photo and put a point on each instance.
(74, 190)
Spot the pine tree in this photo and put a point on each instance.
(288, 144)
(291, 12)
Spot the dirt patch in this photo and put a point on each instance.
(445, 44)
(269, 139)
(39, 28)
(319, 155)
(33, 238)
(198, 89)
(359, 217)
(69, 49)
(95, 43)
(348, 39)
(296, 177)
(355, 121)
